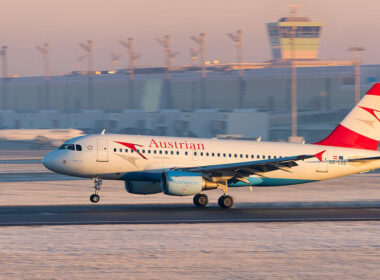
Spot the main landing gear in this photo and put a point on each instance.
(225, 201)
(94, 198)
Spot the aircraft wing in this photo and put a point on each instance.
(242, 170)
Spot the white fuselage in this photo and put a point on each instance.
(128, 157)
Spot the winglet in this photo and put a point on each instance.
(319, 155)
(103, 132)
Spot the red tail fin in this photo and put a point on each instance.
(361, 127)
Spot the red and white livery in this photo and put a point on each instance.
(190, 166)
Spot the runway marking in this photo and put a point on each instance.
(337, 219)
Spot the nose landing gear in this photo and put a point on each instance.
(94, 198)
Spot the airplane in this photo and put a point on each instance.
(189, 166)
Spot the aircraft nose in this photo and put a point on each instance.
(50, 161)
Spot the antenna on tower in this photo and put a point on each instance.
(294, 9)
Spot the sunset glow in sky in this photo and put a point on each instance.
(65, 23)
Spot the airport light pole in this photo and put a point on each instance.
(200, 40)
(45, 51)
(3, 53)
(88, 47)
(80, 63)
(237, 38)
(294, 116)
(356, 62)
(115, 58)
(170, 55)
(193, 55)
(132, 57)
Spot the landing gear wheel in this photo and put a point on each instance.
(200, 200)
(226, 201)
(94, 198)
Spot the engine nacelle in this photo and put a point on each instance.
(181, 183)
(142, 187)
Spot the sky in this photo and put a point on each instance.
(24, 24)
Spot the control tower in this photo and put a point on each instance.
(294, 33)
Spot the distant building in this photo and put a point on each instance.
(306, 35)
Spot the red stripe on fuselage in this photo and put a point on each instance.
(132, 147)
(344, 137)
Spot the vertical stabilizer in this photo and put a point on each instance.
(361, 127)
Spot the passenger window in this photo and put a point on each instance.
(246, 156)
(132, 151)
(263, 156)
(166, 152)
(236, 155)
(229, 155)
(269, 157)
(78, 147)
(218, 154)
(126, 150)
(241, 155)
(71, 147)
(160, 152)
(120, 150)
(114, 149)
(252, 156)
(177, 152)
(224, 155)
(137, 151)
(186, 153)
(154, 151)
(195, 153)
(212, 154)
(143, 151)
(206, 154)
(148, 151)
(171, 152)
(201, 154)
(258, 156)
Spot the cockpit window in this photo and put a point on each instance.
(70, 147)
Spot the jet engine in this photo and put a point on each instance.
(142, 187)
(181, 183)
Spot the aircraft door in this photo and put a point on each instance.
(102, 149)
(324, 164)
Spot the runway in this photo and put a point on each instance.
(175, 214)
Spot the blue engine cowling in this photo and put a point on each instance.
(142, 187)
(180, 183)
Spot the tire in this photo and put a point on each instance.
(94, 198)
(226, 201)
(202, 200)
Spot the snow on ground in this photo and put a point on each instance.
(321, 250)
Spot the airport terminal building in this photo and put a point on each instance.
(325, 92)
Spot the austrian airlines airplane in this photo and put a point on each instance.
(189, 166)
